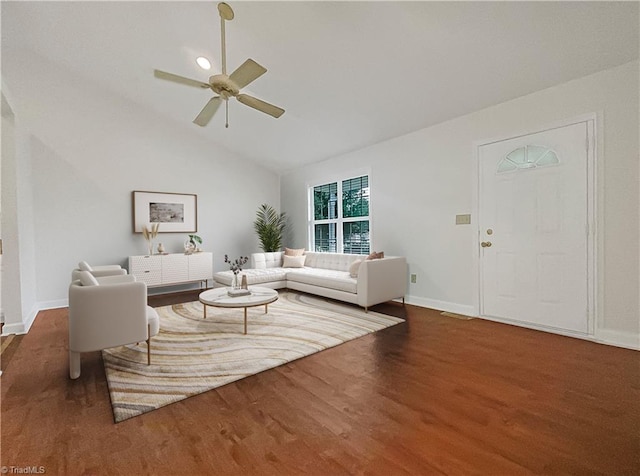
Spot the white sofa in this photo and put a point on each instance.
(327, 274)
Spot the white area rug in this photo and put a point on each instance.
(192, 355)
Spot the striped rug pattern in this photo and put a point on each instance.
(191, 355)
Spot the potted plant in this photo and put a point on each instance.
(269, 226)
(191, 244)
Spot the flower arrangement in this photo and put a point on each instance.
(236, 265)
(149, 234)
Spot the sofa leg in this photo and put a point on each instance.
(403, 300)
(366, 309)
(74, 364)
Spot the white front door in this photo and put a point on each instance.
(533, 217)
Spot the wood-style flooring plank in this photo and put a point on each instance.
(432, 395)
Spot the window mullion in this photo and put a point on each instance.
(339, 244)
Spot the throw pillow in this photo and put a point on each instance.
(84, 266)
(354, 269)
(293, 261)
(88, 279)
(293, 252)
(376, 255)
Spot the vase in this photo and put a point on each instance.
(150, 244)
(234, 282)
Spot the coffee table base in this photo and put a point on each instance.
(218, 297)
(266, 311)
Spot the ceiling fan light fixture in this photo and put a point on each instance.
(225, 86)
(203, 62)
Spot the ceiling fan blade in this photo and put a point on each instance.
(261, 106)
(246, 73)
(179, 79)
(208, 111)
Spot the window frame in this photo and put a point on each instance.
(340, 220)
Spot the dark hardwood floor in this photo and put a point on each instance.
(433, 395)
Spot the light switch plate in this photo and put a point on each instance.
(463, 219)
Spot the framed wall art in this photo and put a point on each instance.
(175, 212)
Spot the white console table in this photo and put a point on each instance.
(171, 269)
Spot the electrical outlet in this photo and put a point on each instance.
(413, 278)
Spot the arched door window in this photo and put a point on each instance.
(528, 157)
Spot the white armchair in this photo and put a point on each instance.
(98, 271)
(108, 312)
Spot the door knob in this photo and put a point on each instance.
(485, 244)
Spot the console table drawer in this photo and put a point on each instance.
(147, 269)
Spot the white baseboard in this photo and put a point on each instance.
(441, 305)
(17, 328)
(23, 327)
(628, 340)
(55, 304)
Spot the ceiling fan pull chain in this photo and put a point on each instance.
(227, 112)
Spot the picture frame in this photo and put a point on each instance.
(175, 212)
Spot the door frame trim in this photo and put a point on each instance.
(591, 120)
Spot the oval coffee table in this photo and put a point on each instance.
(219, 297)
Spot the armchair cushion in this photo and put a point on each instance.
(88, 279)
(153, 320)
(97, 271)
(84, 266)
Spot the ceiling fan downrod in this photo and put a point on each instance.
(226, 13)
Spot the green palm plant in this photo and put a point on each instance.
(269, 226)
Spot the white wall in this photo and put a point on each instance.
(90, 149)
(420, 181)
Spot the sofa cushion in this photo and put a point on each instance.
(335, 261)
(266, 260)
(254, 276)
(293, 252)
(293, 261)
(354, 269)
(325, 278)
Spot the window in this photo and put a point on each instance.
(528, 157)
(340, 216)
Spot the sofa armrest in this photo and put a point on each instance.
(381, 280)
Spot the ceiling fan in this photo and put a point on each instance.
(226, 86)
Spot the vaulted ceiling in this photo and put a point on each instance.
(348, 74)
